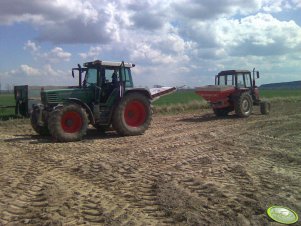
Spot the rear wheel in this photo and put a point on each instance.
(34, 119)
(243, 105)
(133, 115)
(69, 123)
(221, 112)
(265, 107)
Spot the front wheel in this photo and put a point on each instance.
(34, 120)
(265, 107)
(133, 115)
(69, 123)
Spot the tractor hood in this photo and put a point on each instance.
(52, 97)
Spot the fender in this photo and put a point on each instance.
(83, 105)
(145, 92)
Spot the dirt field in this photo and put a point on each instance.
(187, 169)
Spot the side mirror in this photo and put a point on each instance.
(72, 73)
(257, 74)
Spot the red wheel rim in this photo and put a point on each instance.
(135, 113)
(71, 122)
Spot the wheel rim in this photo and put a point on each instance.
(245, 106)
(71, 122)
(135, 114)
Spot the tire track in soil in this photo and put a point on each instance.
(20, 193)
(90, 211)
(151, 194)
(147, 189)
(120, 180)
(278, 169)
(89, 214)
(143, 189)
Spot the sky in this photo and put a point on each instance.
(172, 43)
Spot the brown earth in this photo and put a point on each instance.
(187, 169)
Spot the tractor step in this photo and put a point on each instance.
(104, 116)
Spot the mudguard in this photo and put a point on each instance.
(83, 105)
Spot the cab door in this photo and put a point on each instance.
(249, 84)
(92, 83)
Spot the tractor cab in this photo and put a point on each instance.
(241, 80)
(105, 78)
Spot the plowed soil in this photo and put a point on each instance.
(187, 169)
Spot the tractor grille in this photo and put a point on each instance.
(52, 98)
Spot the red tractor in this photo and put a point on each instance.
(234, 90)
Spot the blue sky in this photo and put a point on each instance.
(172, 43)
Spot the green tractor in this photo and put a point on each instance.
(105, 98)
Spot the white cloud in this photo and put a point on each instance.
(261, 34)
(43, 75)
(57, 54)
(46, 12)
(93, 53)
(273, 6)
(211, 9)
(31, 46)
(59, 21)
(297, 3)
(170, 41)
(48, 70)
(29, 70)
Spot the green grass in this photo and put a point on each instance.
(179, 101)
(182, 97)
(280, 93)
(7, 100)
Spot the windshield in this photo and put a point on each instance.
(226, 80)
(91, 76)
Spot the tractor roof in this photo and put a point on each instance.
(107, 63)
(232, 72)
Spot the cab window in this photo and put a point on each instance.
(226, 80)
(222, 80)
(91, 76)
(128, 78)
(230, 81)
(111, 75)
(248, 80)
(240, 83)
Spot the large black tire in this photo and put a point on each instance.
(133, 115)
(265, 107)
(243, 105)
(68, 123)
(221, 112)
(34, 117)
